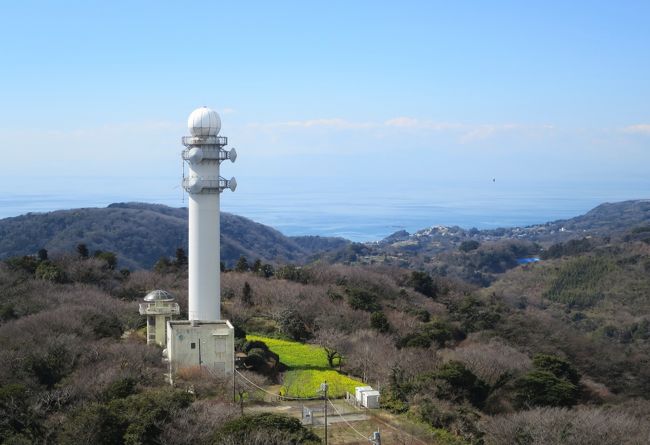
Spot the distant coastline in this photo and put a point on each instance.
(364, 214)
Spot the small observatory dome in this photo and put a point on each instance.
(158, 295)
(204, 122)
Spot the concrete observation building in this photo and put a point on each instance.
(204, 339)
(159, 307)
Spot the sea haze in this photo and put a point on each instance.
(359, 211)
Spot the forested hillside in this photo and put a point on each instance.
(551, 352)
(140, 234)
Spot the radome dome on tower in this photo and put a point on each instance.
(204, 122)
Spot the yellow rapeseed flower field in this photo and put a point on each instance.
(308, 368)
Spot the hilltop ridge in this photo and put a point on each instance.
(141, 233)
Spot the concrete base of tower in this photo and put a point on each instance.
(205, 344)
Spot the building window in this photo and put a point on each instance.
(192, 345)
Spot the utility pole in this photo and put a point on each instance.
(234, 385)
(323, 388)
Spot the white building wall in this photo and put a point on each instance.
(207, 344)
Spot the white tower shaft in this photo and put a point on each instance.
(204, 252)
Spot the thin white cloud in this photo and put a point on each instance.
(314, 123)
(486, 131)
(637, 129)
(410, 122)
(465, 133)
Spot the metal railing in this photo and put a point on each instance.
(204, 140)
(198, 185)
(208, 153)
(159, 308)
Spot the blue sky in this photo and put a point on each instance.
(343, 91)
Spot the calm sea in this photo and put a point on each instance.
(359, 211)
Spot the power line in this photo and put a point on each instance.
(273, 394)
(348, 423)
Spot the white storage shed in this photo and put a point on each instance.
(358, 391)
(370, 399)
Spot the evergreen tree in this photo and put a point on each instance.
(181, 257)
(247, 294)
(42, 254)
(242, 264)
(83, 251)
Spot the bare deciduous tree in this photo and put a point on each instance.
(556, 426)
(197, 423)
(490, 362)
(334, 342)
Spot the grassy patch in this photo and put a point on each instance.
(293, 354)
(306, 383)
(308, 368)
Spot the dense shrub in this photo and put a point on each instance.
(119, 389)
(379, 322)
(467, 246)
(442, 332)
(18, 421)
(543, 388)
(423, 283)
(260, 359)
(136, 419)
(50, 272)
(475, 314)
(363, 300)
(453, 381)
(440, 414)
(437, 331)
(559, 367)
(277, 429)
(53, 359)
(414, 340)
(24, 263)
(553, 382)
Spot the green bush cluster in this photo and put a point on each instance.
(475, 314)
(553, 382)
(436, 331)
(422, 282)
(379, 321)
(134, 420)
(260, 358)
(276, 428)
(362, 299)
(453, 381)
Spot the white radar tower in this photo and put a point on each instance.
(204, 153)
